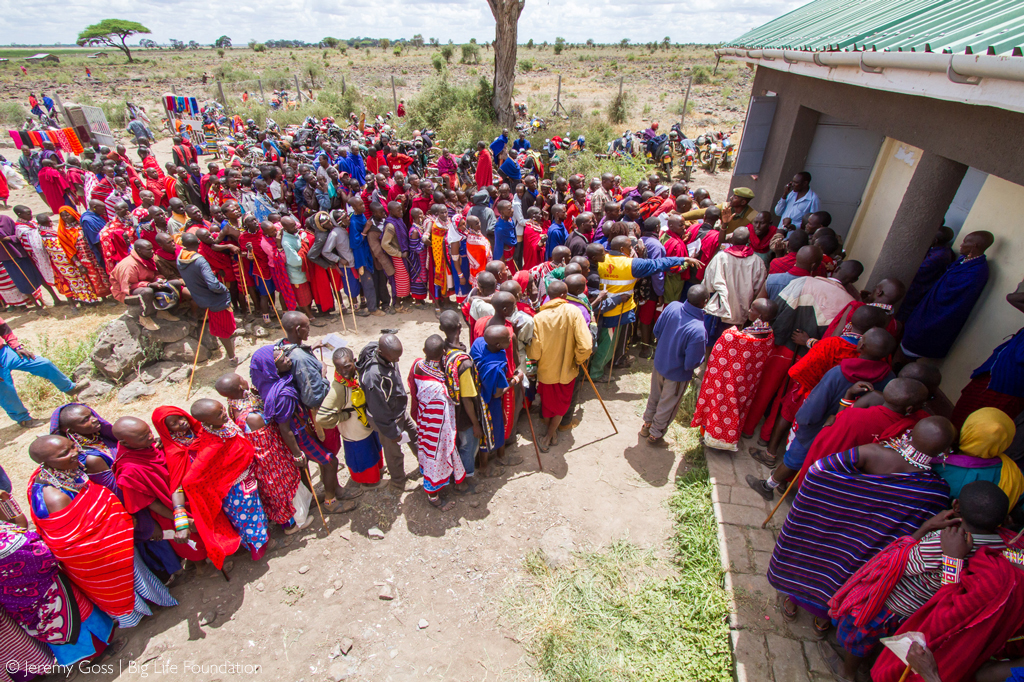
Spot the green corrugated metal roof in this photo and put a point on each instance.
(953, 25)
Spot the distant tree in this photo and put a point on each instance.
(559, 45)
(447, 51)
(258, 47)
(590, 42)
(666, 41)
(624, 43)
(470, 53)
(385, 43)
(472, 40)
(148, 43)
(433, 41)
(417, 40)
(330, 42)
(193, 45)
(438, 62)
(113, 33)
(529, 44)
(223, 41)
(177, 44)
(314, 70)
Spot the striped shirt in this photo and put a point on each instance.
(922, 577)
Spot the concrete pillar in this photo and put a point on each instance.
(924, 205)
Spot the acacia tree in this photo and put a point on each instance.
(113, 33)
(506, 28)
(223, 41)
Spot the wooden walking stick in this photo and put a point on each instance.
(615, 343)
(196, 361)
(792, 484)
(264, 279)
(906, 673)
(19, 266)
(603, 407)
(534, 434)
(351, 303)
(245, 286)
(337, 297)
(309, 478)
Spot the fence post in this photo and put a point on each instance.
(174, 91)
(223, 99)
(394, 96)
(297, 88)
(686, 101)
(262, 96)
(343, 84)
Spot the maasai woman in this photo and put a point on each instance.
(80, 255)
(433, 408)
(224, 468)
(489, 353)
(476, 247)
(983, 439)
(32, 243)
(89, 531)
(69, 279)
(345, 408)
(9, 293)
(145, 484)
(534, 240)
(417, 261)
(270, 372)
(16, 261)
(41, 611)
(276, 471)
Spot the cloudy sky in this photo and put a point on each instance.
(684, 21)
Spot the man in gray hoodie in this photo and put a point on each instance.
(482, 210)
(209, 293)
(387, 403)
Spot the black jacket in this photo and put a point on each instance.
(386, 397)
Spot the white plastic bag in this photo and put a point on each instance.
(303, 498)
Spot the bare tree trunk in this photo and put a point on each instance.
(506, 28)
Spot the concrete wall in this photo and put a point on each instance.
(882, 197)
(997, 209)
(986, 138)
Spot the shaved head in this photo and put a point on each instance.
(433, 348)
(877, 344)
(558, 289)
(576, 285)
(390, 347)
(44, 448)
(905, 393)
(231, 385)
(933, 435)
(929, 375)
(206, 410)
(450, 321)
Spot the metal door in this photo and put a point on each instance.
(840, 162)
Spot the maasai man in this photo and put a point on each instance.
(39, 598)
(934, 265)
(484, 166)
(490, 354)
(851, 505)
(984, 438)
(432, 405)
(870, 366)
(224, 467)
(900, 579)
(733, 370)
(505, 235)
(733, 277)
(144, 479)
(937, 320)
(208, 293)
(561, 344)
(277, 474)
(89, 531)
(344, 408)
(886, 296)
(472, 419)
(854, 426)
(534, 239)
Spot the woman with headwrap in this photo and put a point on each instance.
(72, 241)
(984, 437)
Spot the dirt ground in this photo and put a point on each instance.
(290, 613)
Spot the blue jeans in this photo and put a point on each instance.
(5, 481)
(468, 445)
(40, 367)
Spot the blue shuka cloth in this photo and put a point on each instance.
(935, 263)
(938, 319)
(357, 242)
(492, 366)
(1007, 367)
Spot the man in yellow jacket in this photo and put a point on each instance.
(561, 342)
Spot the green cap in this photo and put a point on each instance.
(744, 192)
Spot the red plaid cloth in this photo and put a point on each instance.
(222, 323)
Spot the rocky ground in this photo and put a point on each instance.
(396, 590)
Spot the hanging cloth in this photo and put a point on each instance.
(16, 136)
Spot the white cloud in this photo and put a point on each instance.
(606, 21)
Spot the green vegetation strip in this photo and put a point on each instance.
(614, 615)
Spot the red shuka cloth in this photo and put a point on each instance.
(533, 250)
(484, 169)
(967, 622)
(508, 401)
(93, 539)
(857, 426)
(839, 322)
(206, 480)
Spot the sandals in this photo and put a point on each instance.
(789, 610)
(295, 528)
(821, 631)
(655, 440)
(763, 457)
(338, 506)
(438, 503)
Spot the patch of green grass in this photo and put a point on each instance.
(12, 113)
(37, 393)
(613, 615)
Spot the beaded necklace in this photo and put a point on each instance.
(72, 480)
(907, 451)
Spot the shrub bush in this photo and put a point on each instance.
(701, 75)
(526, 65)
(618, 108)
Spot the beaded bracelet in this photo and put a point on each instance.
(951, 569)
(1014, 555)
(180, 519)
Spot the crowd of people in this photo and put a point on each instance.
(905, 503)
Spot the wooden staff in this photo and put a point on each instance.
(615, 343)
(351, 303)
(196, 361)
(792, 484)
(264, 280)
(608, 414)
(906, 673)
(305, 467)
(534, 434)
(337, 297)
(245, 286)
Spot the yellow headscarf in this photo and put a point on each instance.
(986, 434)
